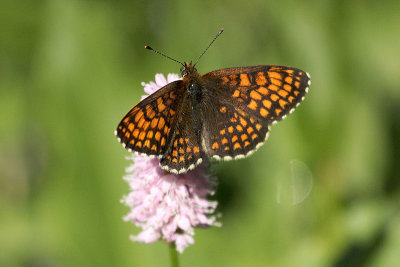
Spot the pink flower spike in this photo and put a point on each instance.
(167, 206)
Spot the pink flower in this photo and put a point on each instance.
(168, 206)
(152, 87)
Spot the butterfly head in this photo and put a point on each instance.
(187, 68)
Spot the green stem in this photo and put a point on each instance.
(173, 255)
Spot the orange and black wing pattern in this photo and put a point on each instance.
(149, 126)
(160, 126)
(185, 151)
(223, 114)
(246, 101)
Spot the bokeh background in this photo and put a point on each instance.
(323, 191)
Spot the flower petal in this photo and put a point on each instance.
(160, 80)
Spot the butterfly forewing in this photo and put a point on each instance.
(247, 100)
(269, 92)
(148, 127)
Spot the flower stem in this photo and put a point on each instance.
(173, 255)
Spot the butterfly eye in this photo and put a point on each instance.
(187, 68)
(184, 71)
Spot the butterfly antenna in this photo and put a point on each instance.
(148, 47)
(218, 34)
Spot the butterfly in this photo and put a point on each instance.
(223, 114)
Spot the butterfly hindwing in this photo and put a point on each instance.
(185, 152)
(233, 133)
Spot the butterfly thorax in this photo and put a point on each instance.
(191, 79)
(193, 86)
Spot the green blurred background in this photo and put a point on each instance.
(323, 191)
